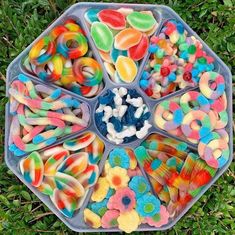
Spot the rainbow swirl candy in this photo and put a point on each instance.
(72, 53)
(34, 54)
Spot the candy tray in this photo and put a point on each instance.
(162, 14)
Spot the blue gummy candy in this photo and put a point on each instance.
(103, 128)
(116, 123)
(115, 53)
(145, 75)
(172, 77)
(153, 48)
(107, 98)
(144, 84)
(180, 28)
(146, 116)
(133, 93)
(98, 117)
(129, 139)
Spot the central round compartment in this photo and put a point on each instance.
(122, 116)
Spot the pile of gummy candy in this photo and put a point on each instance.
(88, 173)
(65, 172)
(63, 57)
(122, 39)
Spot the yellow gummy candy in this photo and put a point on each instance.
(128, 221)
(126, 68)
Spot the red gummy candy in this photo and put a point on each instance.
(112, 18)
(165, 71)
(148, 92)
(138, 51)
(187, 76)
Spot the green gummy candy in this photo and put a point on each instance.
(102, 36)
(141, 21)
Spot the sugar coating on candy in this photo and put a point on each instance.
(176, 178)
(63, 57)
(122, 116)
(177, 60)
(127, 206)
(43, 116)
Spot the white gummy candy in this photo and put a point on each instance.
(143, 131)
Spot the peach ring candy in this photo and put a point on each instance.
(102, 36)
(72, 53)
(87, 71)
(216, 153)
(141, 21)
(56, 63)
(127, 38)
(204, 85)
(64, 203)
(80, 142)
(203, 118)
(112, 18)
(194, 96)
(168, 115)
(126, 68)
(32, 169)
(45, 44)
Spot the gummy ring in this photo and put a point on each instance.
(72, 53)
(216, 153)
(204, 85)
(35, 55)
(174, 121)
(219, 104)
(221, 119)
(194, 96)
(205, 140)
(87, 71)
(223, 134)
(67, 76)
(196, 134)
(55, 66)
(73, 27)
(57, 31)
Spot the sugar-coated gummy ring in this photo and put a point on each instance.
(176, 111)
(221, 119)
(72, 53)
(87, 71)
(204, 142)
(35, 55)
(55, 74)
(204, 85)
(216, 153)
(204, 104)
(196, 115)
(219, 104)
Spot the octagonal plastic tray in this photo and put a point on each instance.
(162, 14)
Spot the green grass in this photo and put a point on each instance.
(20, 22)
